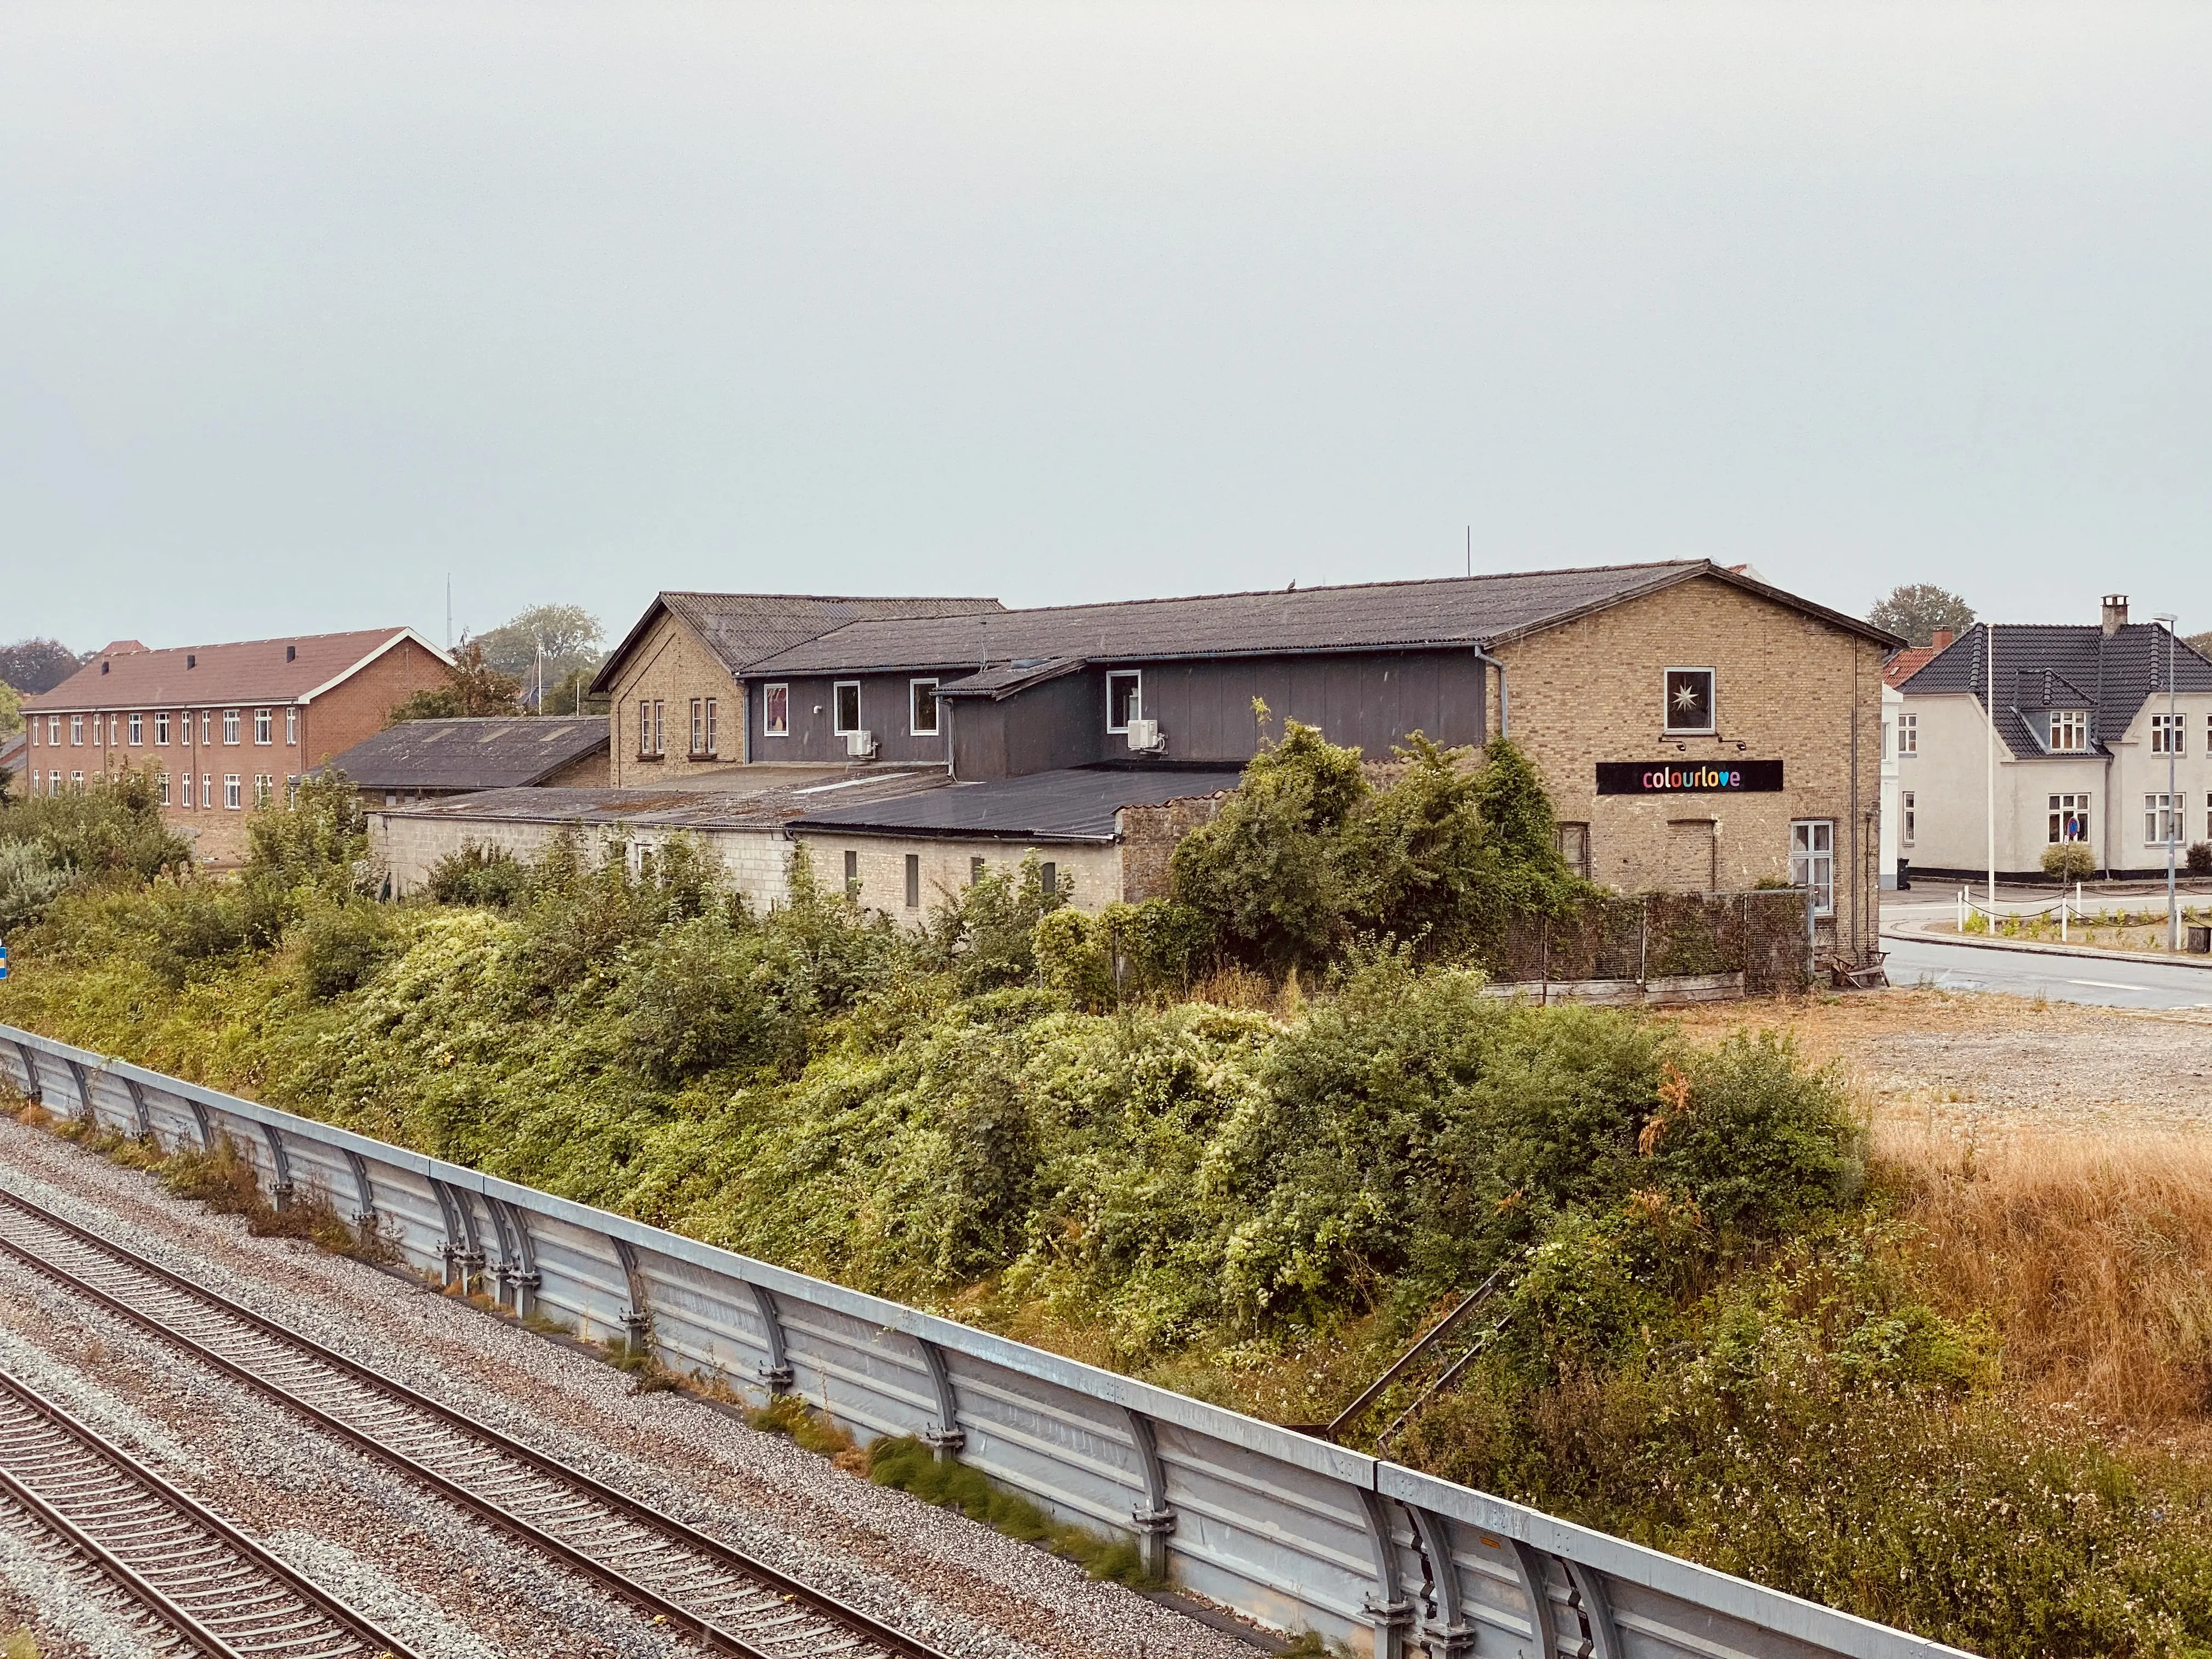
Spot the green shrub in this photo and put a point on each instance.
(110, 831)
(475, 874)
(31, 878)
(1147, 951)
(908, 1466)
(2200, 858)
(341, 943)
(704, 992)
(986, 932)
(2070, 861)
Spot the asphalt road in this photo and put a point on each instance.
(2059, 979)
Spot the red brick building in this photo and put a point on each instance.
(222, 726)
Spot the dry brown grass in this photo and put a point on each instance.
(2091, 1254)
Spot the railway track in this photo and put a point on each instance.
(199, 1586)
(720, 1596)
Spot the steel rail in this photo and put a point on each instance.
(774, 1606)
(224, 1594)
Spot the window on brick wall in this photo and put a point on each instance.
(712, 743)
(702, 728)
(1813, 861)
(1575, 847)
(231, 797)
(54, 730)
(230, 726)
(207, 718)
(137, 730)
(853, 873)
(162, 727)
(264, 786)
(161, 782)
(913, 881)
(207, 788)
(264, 731)
(76, 730)
(1689, 702)
(651, 728)
(291, 726)
(185, 789)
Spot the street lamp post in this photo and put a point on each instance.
(2173, 798)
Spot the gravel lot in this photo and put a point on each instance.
(437, 1577)
(1978, 1060)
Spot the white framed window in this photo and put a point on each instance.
(2161, 818)
(231, 798)
(230, 726)
(845, 706)
(54, 730)
(1689, 701)
(698, 727)
(53, 783)
(775, 711)
(264, 786)
(1908, 817)
(652, 731)
(1813, 861)
(207, 788)
(291, 789)
(2070, 731)
(162, 728)
(161, 782)
(137, 730)
(2070, 817)
(2208, 817)
(207, 725)
(185, 789)
(922, 700)
(76, 730)
(263, 732)
(291, 726)
(1574, 848)
(2169, 734)
(711, 748)
(76, 780)
(1908, 734)
(1124, 699)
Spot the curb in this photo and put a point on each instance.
(2161, 958)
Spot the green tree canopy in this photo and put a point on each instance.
(567, 635)
(35, 666)
(478, 688)
(2200, 643)
(1916, 610)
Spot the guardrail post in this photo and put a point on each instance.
(32, 1091)
(1586, 1597)
(206, 1127)
(777, 1373)
(1392, 1613)
(1154, 1519)
(637, 1324)
(463, 1254)
(138, 1105)
(281, 1193)
(1445, 1631)
(945, 1436)
(1528, 1563)
(518, 1261)
(365, 1216)
(84, 1094)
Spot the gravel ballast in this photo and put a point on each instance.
(962, 1586)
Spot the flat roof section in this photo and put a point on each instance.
(1075, 805)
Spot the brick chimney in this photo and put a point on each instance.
(2116, 613)
(1942, 640)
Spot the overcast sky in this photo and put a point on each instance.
(304, 307)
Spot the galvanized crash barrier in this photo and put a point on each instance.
(1287, 1529)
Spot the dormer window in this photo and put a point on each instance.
(2070, 731)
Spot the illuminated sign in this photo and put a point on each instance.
(1688, 777)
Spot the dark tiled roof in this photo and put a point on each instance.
(2042, 667)
(1459, 610)
(1074, 805)
(740, 628)
(675, 809)
(471, 754)
(246, 672)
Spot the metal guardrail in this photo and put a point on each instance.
(1291, 1530)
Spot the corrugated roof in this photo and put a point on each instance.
(237, 673)
(739, 627)
(769, 808)
(1457, 610)
(471, 754)
(2042, 666)
(1078, 805)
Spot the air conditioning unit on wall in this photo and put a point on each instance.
(860, 745)
(1145, 737)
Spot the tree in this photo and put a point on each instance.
(34, 665)
(1916, 610)
(11, 711)
(558, 640)
(2200, 643)
(476, 689)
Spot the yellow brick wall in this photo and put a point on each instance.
(1096, 871)
(1786, 687)
(673, 665)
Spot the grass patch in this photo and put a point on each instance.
(905, 1463)
(796, 1421)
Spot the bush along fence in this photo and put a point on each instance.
(1291, 1530)
(1660, 947)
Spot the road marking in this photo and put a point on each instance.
(2108, 985)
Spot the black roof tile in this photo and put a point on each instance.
(2063, 665)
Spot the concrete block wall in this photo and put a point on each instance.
(945, 867)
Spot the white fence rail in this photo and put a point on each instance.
(1292, 1531)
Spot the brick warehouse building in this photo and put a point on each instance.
(222, 726)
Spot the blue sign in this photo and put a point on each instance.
(3, 961)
